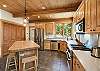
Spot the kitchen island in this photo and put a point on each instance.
(22, 46)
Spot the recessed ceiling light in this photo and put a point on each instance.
(53, 22)
(4, 5)
(38, 16)
(50, 16)
(43, 7)
(24, 24)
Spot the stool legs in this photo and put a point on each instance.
(35, 67)
(11, 63)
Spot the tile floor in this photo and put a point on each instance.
(48, 61)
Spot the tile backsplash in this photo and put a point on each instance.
(99, 41)
(90, 40)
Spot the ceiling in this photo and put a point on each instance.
(52, 8)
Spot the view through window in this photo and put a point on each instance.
(64, 29)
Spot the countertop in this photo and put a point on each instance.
(89, 63)
(55, 39)
(23, 45)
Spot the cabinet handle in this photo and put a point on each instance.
(93, 30)
(90, 30)
(78, 65)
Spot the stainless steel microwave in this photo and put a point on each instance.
(80, 26)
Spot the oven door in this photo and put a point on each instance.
(68, 55)
(69, 58)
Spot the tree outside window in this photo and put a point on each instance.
(59, 29)
(64, 29)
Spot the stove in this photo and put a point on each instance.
(69, 53)
(79, 47)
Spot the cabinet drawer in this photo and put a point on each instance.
(79, 66)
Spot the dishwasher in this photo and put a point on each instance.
(54, 45)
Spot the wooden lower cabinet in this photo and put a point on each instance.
(77, 66)
(63, 46)
(47, 44)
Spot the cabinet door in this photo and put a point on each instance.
(93, 15)
(79, 66)
(98, 16)
(88, 26)
(74, 62)
(47, 44)
(49, 28)
(75, 18)
(63, 46)
(81, 11)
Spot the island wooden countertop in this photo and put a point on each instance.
(23, 45)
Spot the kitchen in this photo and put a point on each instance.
(61, 35)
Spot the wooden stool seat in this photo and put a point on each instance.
(29, 59)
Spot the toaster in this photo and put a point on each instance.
(95, 52)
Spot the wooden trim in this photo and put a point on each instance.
(12, 22)
(49, 20)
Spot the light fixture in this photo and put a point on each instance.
(38, 16)
(50, 16)
(43, 7)
(4, 5)
(24, 24)
(25, 18)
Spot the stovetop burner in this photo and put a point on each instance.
(79, 47)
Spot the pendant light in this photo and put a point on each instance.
(25, 11)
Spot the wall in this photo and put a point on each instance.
(9, 17)
(42, 25)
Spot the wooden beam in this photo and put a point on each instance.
(49, 20)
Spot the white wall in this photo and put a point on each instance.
(9, 17)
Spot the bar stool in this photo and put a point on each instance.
(11, 64)
(27, 57)
(27, 60)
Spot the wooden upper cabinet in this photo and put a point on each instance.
(80, 12)
(49, 28)
(98, 15)
(87, 16)
(75, 17)
(92, 16)
(11, 33)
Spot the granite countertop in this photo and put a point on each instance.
(89, 63)
(23, 45)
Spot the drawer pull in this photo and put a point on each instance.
(78, 65)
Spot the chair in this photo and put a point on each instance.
(27, 57)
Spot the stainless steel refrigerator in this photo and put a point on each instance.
(37, 35)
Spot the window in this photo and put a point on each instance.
(67, 29)
(63, 29)
(59, 29)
